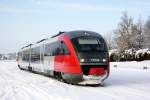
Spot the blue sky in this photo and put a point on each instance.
(27, 21)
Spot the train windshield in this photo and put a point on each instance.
(89, 44)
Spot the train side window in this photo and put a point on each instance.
(25, 55)
(22, 55)
(48, 49)
(19, 55)
(56, 48)
(64, 49)
(35, 54)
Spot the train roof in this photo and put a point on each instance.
(79, 33)
(71, 34)
(26, 46)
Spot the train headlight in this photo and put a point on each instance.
(104, 60)
(82, 60)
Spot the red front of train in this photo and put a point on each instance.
(78, 57)
(86, 60)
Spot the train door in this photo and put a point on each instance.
(25, 62)
(35, 59)
(62, 58)
(59, 58)
(48, 58)
(42, 58)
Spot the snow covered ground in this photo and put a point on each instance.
(132, 64)
(127, 81)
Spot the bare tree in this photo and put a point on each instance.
(124, 32)
(147, 33)
(137, 38)
(109, 37)
(139, 34)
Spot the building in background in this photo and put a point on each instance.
(9, 56)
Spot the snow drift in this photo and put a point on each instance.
(124, 83)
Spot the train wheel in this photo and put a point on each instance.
(62, 79)
(20, 67)
(30, 68)
(58, 76)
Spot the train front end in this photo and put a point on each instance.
(91, 51)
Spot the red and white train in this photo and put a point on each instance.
(77, 57)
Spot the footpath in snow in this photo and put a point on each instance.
(127, 81)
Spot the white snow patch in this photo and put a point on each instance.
(142, 51)
(148, 52)
(132, 64)
(129, 51)
(123, 84)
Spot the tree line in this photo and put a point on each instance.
(130, 35)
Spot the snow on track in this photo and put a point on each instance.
(123, 84)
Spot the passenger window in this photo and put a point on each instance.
(35, 54)
(56, 48)
(64, 49)
(25, 55)
(51, 49)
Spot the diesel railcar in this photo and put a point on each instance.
(77, 57)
